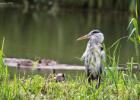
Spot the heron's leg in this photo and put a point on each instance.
(89, 79)
(98, 81)
(99, 78)
(89, 76)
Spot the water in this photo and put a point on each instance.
(38, 34)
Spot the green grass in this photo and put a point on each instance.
(36, 87)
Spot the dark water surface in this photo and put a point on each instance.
(38, 34)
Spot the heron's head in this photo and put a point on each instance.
(95, 35)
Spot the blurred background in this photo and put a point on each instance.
(38, 29)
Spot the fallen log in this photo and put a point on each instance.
(30, 64)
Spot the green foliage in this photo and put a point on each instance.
(133, 24)
(133, 30)
(133, 27)
(3, 69)
(34, 84)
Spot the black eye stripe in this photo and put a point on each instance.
(95, 31)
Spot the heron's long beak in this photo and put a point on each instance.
(83, 37)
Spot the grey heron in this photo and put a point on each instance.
(94, 55)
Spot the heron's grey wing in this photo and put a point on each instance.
(103, 56)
